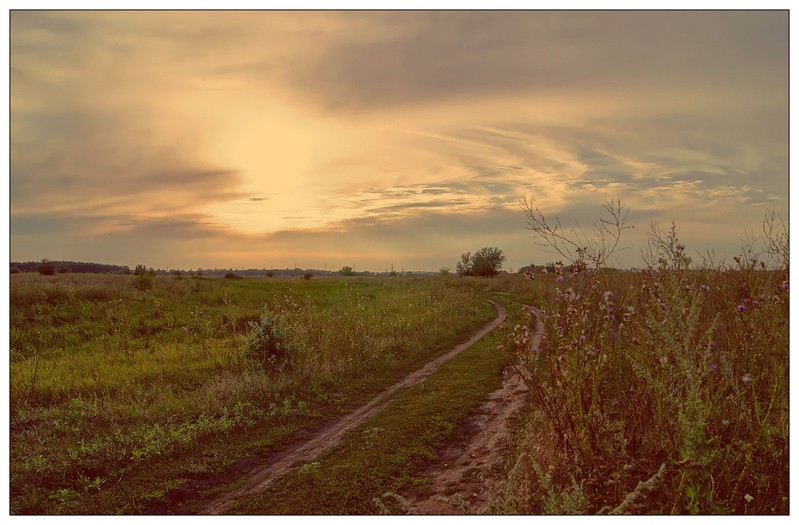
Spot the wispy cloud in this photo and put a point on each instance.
(232, 134)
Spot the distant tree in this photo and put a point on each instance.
(46, 267)
(443, 270)
(139, 270)
(231, 275)
(14, 269)
(464, 266)
(485, 262)
(270, 273)
(125, 270)
(62, 269)
(346, 271)
(307, 275)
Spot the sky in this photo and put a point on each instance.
(318, 139)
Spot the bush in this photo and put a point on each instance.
(14, 269)
(307, 275)
(231, 275)
(46, 267)
(139, 270)
(143, 281)
(346, 271)
(486, 262)
(268, 345)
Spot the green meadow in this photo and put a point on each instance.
(662, 391)
(111, 378)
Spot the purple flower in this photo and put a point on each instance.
(741, 308)
(582, 339)
(755, 303)
(713, 367)
(559, 279)
(785, 285)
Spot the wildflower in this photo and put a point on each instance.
(559, 279)
(741, 307)
(705, 288)
(713, 367)
(635, 340)
(746, 378)
(756, 303)
(582, 338)
(785, 285)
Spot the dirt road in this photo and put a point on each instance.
(262, 473)
(470, 472)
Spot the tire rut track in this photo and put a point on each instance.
(262, 475)
(472, 468)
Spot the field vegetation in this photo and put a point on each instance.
(655, 391)
(113, 375)
(662, 391)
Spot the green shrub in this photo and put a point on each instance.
(143, 281)
(268, 344)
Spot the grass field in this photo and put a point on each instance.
(662, 391)
(113, 375)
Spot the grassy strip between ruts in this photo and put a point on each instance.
(390, 452)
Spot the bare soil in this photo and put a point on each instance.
(471, 470)
(256, 474)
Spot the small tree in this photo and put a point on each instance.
(485, 262)
(464, 266)
(346, 271)
(139, 270)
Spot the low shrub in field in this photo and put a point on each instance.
(269, 344)
(143, 281)
(662, 391)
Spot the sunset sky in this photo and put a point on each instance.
(322, 139)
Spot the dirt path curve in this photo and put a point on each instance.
(260, 477)
(470, 473)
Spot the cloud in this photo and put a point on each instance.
(433, 56)
(404, 135)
